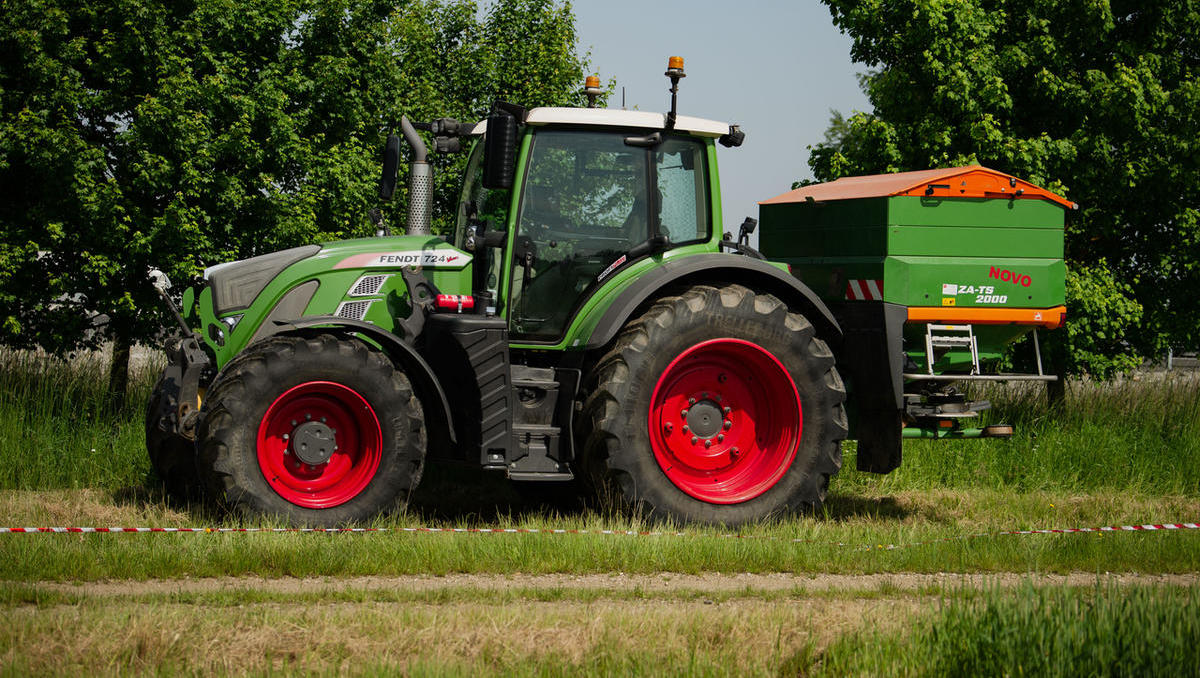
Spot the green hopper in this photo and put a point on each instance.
(931, 275)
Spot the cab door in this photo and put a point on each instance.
(589, 198)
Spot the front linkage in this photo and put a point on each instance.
(174, 409)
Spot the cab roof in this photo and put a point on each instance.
(604, 117)
(972, 181)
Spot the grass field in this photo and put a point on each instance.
(806, 595)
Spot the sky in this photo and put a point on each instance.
(775, 67)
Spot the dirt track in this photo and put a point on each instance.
(667, 583)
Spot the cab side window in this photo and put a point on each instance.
(681, 171)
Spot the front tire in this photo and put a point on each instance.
(317, 430)
(717, 406)
(172, 456)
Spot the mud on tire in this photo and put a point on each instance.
(718, 405)
(318, 431)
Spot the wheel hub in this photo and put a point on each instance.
(704, 419)
(313, 442)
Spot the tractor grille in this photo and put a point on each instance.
(368, 285)
(354, 310)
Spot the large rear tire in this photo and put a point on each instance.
(315, 430)
(717, 406)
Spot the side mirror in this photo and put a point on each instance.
(746, 229)
(391, 161)
(500, 152)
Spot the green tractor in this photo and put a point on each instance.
(588, 319)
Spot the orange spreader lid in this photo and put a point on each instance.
(973, 181)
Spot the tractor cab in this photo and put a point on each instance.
(593, 191)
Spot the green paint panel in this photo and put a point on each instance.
(974, 282)
(978, 212)
(947, 241)
(999, 252)
(846, 228)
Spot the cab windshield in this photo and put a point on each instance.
(588, 199)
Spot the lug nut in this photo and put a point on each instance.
(294, 422)
(708, 443)
(308, 417)
(286, 436)
(668, 428)
(720, 437)
(322, 420)
(695, 440)
(727, 410)
(683, 414)
(727, 424)
(691, 401)
(686, 429)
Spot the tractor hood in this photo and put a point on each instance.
(359, 280)
(236, 284)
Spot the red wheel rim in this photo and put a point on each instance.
(725, 421)
(319, 444)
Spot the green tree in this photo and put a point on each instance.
(182, 134)
(1098, 100)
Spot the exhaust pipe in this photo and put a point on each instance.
(420, 188)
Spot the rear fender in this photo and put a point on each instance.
(714, 269)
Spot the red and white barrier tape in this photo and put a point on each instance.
(471, 530)
(615, 533)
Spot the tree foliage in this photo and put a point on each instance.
(182, 134)
(1098, 100)
(1103, 311)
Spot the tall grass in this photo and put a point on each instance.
(60, 427)
(1109, 630)
(1141, 435)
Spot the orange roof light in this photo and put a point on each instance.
(675, 62)
(591, 89)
